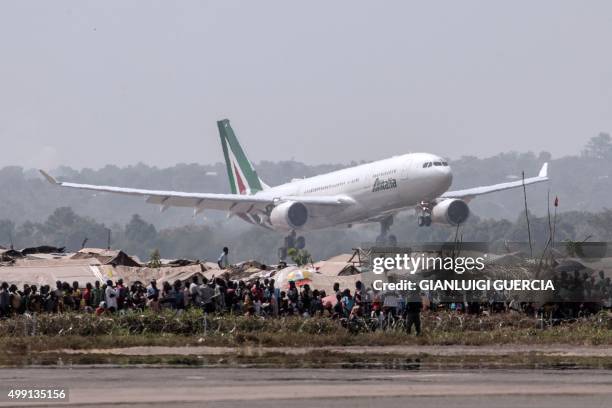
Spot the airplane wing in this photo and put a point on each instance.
(234, 203)
(470, 193)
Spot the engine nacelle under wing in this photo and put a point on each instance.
(451, 211)
(289, 215)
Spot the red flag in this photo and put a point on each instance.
(556, 201)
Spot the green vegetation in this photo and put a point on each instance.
(316, 359)
(65, 228)
(36, 213)
(299, 256)
(155, 259)
(193, 328)
(320, 342)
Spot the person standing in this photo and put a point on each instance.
(122, 294)
(97, 295)
(88, 297)
(77, 296)
(110, 295)
(4, 300)
(414, 305)
(153, 296)
(223, 261)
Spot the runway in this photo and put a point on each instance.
(237, 387)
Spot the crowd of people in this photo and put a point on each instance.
(577, 294)
(262, 297)
(217, 295)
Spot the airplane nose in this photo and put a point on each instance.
(446, 175)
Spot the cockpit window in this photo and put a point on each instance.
(427, 164)
(445, 163)
(437, 164)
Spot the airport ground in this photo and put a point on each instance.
(502, 375)
(239, 387)
(268, 365)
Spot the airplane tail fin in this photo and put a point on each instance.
(242, 176)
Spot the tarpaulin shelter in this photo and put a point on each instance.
(339, 265)
(161, 275)
(107, 257)
(47, 272)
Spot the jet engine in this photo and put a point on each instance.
(451, 211)
(289, 215)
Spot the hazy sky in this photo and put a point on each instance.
(86, 83)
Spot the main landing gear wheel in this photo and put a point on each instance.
(300, 242)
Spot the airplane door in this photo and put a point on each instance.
(407, 169)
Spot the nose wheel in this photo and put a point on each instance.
(424, 220)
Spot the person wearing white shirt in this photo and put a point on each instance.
(222, 261)
(110, 296)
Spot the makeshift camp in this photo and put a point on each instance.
(339, 265)
(314, 279)
(107, 257)
(47, 272)
(161, 275)
(43, 249)
(9, 255)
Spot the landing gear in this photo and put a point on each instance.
(383, 239)
(424, 221)
(300, 242)
(291, 241)
(424, 209)
(392, 240)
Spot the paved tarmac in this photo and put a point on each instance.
(297, 388)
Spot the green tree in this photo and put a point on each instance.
(299, 256)
(139, 230)
(155, 259)
(65, 228)
(599, 147)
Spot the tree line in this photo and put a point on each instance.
(65, 228)
(583, 182)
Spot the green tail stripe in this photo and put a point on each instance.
(229, 141)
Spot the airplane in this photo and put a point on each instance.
(371, 192)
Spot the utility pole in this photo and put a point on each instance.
(527, 215)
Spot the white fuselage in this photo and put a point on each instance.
(378, 188)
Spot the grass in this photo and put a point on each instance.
(319, 360)
(83, 331)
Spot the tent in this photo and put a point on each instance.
(161, 275)
(107, 256)
(41, 272)
(339, 265)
